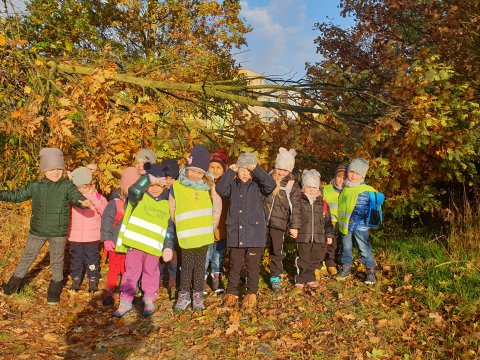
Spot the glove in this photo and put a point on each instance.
(109, 245)
(167, 255)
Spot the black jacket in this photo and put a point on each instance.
(316, 226)
(280, 216)
(246, 225)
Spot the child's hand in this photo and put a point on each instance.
(294, 233)
(87, 204)
(109, 245)
(167, 254)
(329, 241)
(251, 167)
(234, 167)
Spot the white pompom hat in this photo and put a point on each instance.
(285, 159)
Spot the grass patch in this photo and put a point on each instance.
(5, 336)
(26, 294)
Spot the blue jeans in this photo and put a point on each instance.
(361, 237)
(215, 255)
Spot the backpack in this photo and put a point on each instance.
(375, 216)
(120, 211)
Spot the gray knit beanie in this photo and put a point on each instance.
(311, 178)
(50, 159)
(146, 155)
(81, 176)
(360, 166)
(245, 159)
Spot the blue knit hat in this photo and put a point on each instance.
(170, 167)
(199, 158)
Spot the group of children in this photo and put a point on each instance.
(180, 221)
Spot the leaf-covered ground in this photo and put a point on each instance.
(341, 320)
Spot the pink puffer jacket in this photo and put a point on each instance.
(85, 223)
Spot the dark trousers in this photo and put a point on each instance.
(250, 257)
(85, 256)
(276, 251)
(309, 257)
(193, 267)
(32, 249)
(170, 268)
(330, 256)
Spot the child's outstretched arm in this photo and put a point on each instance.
(99, 203)
(17, 196)
(136, 191)
(76, 198)
(264, 180)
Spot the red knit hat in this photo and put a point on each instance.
(220, 157)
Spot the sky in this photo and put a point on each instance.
(282, 37)
(281, 41)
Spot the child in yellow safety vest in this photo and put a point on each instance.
(148, 232)
(195, 208)
(353, 209)
(331, 192)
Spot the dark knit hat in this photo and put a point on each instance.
(341, 168)
(219, 157)
(156, 170)
(170, 168)
(50, 159)
(199, 158)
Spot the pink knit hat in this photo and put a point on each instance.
(129, 177)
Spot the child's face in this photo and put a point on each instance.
(311, 191)
(195, 175)
(139, 163)
(354, 177)
(170, 181)
(54, 175)
(279, 174)
(244, 174)
(339, 179)
(216, 169)
(84, 189)
(155, 190)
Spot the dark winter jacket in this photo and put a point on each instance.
(109, 230)
(246, 226)
(280, 216)
(50, 205)
(316, 226)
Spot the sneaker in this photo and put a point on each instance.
(249, 301)
(275, 284)
(332, 270)
(230, 300)
(198, 302)
(312, 285)
(92, 285)
(123, 308)
(344, 273)
(76, 283)
(370, 280)
(149, 306)
(182, 302)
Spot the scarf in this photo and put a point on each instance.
(197, 185)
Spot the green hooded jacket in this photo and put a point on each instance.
(50, 205)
